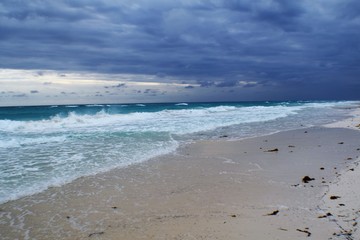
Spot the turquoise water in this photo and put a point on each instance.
(52, 145)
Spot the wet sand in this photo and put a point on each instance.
(222, 189)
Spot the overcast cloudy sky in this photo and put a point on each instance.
(82, 51)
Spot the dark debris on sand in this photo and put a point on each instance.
(304, 231)
(272, 150)
(96, 233)
(307, 179)
(273, 213)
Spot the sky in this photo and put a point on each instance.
(120, 51)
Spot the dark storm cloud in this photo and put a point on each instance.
(19, 95)
(66, 93)
(204, 83)
(230, 83)
(189, 87)
(121, 85)
(277, 43)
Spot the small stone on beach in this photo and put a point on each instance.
(326, 215)
(334, 197)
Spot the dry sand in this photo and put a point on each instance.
(209, 190)
(342, 200)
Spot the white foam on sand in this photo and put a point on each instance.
(353, 122)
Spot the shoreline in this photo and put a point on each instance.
(205, 190)
(227, 136)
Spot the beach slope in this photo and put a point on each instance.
(271, 187)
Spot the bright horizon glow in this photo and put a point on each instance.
(48, 87)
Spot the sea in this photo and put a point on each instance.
(46, 146)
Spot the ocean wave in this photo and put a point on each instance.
(174, 121)
(180, 121)
(330, 104)
(34, 175)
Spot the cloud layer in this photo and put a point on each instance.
(295, 47)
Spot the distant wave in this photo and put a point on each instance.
(94, 105)
(181, 104)
(71, 106)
